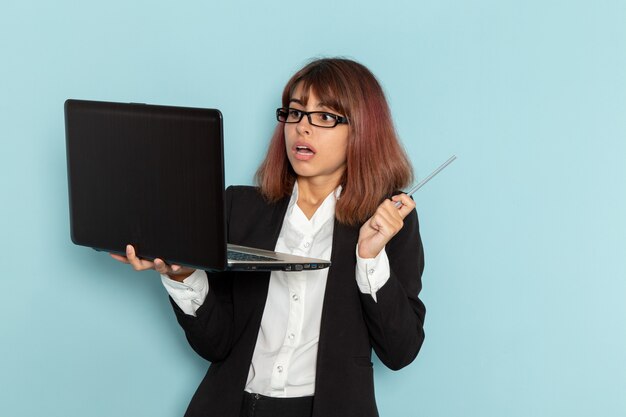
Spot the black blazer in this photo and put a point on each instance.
(226, 326)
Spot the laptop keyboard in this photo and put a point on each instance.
(241, 256)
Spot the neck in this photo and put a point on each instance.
(313, 192)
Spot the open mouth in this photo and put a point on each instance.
(304, 150)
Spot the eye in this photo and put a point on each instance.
(327, 117)
(295, 114)
(282, 114)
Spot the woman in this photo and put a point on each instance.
(299, 343)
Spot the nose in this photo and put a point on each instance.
(304, 125)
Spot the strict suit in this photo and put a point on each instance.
(226, 326)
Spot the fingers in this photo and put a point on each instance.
(392, 215)
(162, 268)
(158, 265)
(407, 204)
(379, 229)
(119, 258)
(138, 264)
(387, 219)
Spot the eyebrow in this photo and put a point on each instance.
(319, 105)
(295, 100)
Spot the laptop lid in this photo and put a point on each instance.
(142, 174)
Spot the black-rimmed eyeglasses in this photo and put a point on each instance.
(316, 118)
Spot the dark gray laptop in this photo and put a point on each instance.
(153, 176)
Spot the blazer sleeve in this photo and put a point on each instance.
(210, 333)
(396, 320)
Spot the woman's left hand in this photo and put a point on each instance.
(383, 225)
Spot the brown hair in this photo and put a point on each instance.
(376, 163)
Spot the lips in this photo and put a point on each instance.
(303, 151)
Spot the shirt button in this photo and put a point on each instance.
(291, 336)
(279, 368)
(190, 289)
(295, 297)
(371, 271)
(307, 244)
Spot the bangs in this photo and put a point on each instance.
(323, 82)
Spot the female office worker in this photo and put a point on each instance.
(296, 344)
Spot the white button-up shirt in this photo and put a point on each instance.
(284, 359)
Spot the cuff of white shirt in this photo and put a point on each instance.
(189, 294)
(372, 273)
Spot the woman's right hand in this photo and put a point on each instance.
(175, 272)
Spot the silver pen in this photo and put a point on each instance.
(425, 180)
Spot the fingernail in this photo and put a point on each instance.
(175, 268)
(129, 249)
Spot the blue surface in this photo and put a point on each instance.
(525, 236)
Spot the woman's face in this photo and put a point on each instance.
(315, 153)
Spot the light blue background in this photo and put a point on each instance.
(525, 236)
